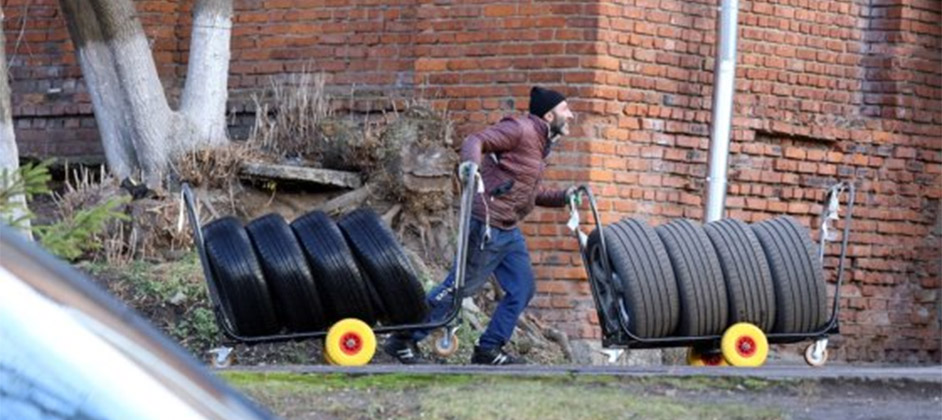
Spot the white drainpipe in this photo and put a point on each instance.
(724, 78)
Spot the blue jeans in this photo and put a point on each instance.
(504, 254)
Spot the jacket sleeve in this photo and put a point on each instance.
(501, 137)
(551, 197)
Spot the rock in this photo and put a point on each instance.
(590, 352)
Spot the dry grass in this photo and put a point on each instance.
(150, 233)
(287, 121)
(215, 167)
(153, 231)
(83, 189)
(294, 122)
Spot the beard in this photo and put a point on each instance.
(559, 126)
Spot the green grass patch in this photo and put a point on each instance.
(549, 400)
(703, 383)
(172, 295)
(459, 397)
(335, 381)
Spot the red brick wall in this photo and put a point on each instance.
(365, 45)
(848, 89)
(479, 61)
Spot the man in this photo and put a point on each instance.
(511, 156)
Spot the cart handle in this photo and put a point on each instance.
(464, 226)
(615, 286)
(186, 193)
(829, 212)
(574, 221)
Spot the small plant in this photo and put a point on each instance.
(172, 296)
(70, 238)
(29, 180)
(77, 230)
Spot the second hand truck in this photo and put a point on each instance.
(613, 314)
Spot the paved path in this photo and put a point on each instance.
(920, 374)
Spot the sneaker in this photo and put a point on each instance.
(495, 356)
(403, 349)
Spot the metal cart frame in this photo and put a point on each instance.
(613, 316)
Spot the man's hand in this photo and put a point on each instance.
(466, 170)
(574, 195)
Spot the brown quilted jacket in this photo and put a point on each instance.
(512, 156)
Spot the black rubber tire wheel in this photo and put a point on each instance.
(702, 290)
(343, 289)
(650, 292)
(749, 286)
(800, 295)
(243, 293)
(382, 259)
(289, 278)
(604, 293)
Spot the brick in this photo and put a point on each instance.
(784, 165)
(794, 153)
(904, 153)
(798, 208)
(499, 10)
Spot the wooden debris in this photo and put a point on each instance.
(347, 201)
(391, 214)
(299, 173)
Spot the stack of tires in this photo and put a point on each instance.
(273, 277)
(683, 279)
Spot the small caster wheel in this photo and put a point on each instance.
(744, 345)
(350, 342)
(222, 357)
(444, 342)
(696, 357)
(816, 358)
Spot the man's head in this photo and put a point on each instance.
(551, 106)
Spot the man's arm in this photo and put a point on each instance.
(551, 197)
(501, 137)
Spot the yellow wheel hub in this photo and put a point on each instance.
(350, 342)
(744, 345)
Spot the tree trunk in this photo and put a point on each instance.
(139, 130)
(101, 79)
(9, 156)
(206, 89)
(150, 115)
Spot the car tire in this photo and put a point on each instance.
(289, 278)
(603, 294)
(700, 284)
(800, 295)
(749, 288)
(387, 268)
(649, 289)
(239, 281)
(343, 289)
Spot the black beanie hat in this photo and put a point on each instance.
(543, 100)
